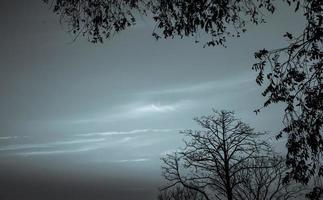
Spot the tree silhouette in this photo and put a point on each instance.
(213, 157)
(266, 183)
(293, 73)
(97, 19)
(315, 194)
(179, 193)
(294, 77)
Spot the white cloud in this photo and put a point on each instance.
(12, 137)
(135, 111)
(136, 131)
(51, 152)
(126, 139)
(79, 141)
(8, 137)
(204, 86)
(132, 111)
(132, 160)
(50, 144)
(156, 108)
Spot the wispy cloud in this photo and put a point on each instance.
(8, 137)
(152, 103)
(82, 144)
(51, 152)
(135, 110)
(126, 139)
(132, 160)
(131, 132)
(156, 108)
(50, 144)
(12, 137)
(142, 109)
(203, 86)
(79, 141)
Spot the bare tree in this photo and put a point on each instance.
(179, 193)
(266, 181)
(213, 157)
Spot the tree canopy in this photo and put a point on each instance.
(292, 74)
(227, 159)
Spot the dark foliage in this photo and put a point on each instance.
(97, 19)
(100, 19)
(316, 193)
(294, 77)
(218, 19)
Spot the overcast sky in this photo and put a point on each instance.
(91, 121)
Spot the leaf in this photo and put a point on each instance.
(297, 6)
(288, 35)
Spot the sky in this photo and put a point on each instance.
(91, 121)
